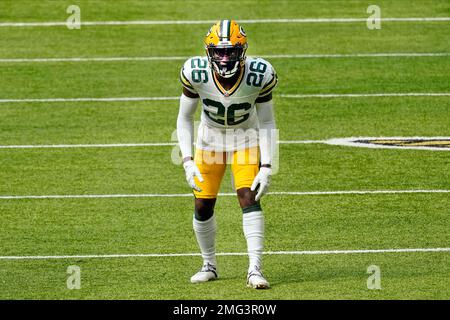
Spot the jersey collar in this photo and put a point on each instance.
(234, 88)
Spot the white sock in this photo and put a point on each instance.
(205, 231)
(253, 223)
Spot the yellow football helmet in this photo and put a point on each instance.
(226, 44)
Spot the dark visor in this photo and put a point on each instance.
(230, 53)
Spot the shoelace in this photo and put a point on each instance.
(255, 272)
(209, 268)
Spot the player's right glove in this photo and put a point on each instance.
(263, 180)
(192, 171)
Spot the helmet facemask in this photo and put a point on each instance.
(226, 60)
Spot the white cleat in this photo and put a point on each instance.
(207, 273)
(256, 280)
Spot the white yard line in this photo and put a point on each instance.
(110, 145)
(334, 141)
(92, 59)
(273, 56)
(357, 55)
(363, 95)
(291, 96)
(112, 99)
(301, 141)
(194, 22)
(125, 145)
(303, 193)
(163, 255)
(178, 195)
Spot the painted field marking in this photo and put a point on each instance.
(408, 143)
(273, 56)
(125, 145)
(178, 195)
(291, 96)
(98, 145)
(428, 143)
(163, 255)
(112, 99)
(364, 95)
(196, 22)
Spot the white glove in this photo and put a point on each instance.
(263, 179)
(192, 171)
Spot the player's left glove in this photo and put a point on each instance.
(263, 180)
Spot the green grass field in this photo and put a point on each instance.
(163, 225)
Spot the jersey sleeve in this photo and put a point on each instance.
(185, 77)
(270, 82)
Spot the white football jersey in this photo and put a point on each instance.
(227, 115)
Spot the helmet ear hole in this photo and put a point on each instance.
(241, 31)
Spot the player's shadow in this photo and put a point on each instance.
(331, 274)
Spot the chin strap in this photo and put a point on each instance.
(228, 74)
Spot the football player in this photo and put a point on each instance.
(235, 92)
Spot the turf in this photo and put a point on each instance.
(31, 227)
(305, 76)
(130, 226)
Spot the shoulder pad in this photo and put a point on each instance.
(186, 76)
(194, 73)
(270, 76)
